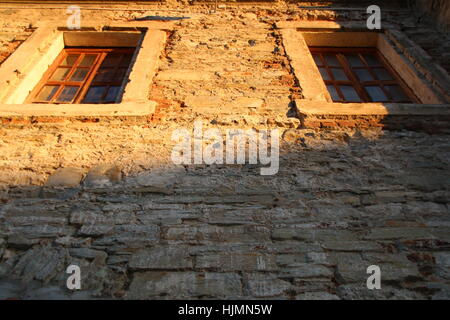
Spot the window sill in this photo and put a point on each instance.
(323, 108)
(78, 110)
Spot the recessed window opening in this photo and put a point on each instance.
(84, 75)
(360, 75)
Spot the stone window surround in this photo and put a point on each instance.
(299, 35)
(20, 73)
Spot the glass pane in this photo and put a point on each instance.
(94, 94)
(47, 93)
(397, 93)
(382, 74)
(324, 73)
(126, 60)
(67, 94)
(60, 74)
(350, 93)
(333, 93)
(88, 60)
(339, 75)
(354, 60)
(70, 60)
(79, 74)
(363, 75)
(111, 60)
(372, 60)
(104, 75)
(120, 74)
(332, 60)
(376, 94)
(317, 59)
(112, 94)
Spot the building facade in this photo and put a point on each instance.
(91, 95)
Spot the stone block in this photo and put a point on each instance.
(65, 177)
(236, 261)
(264, 285)
(219, 234)
(184, 285)
(103, 175)
(167, 257)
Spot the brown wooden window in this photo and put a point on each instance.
(360, 75)
(82, 75)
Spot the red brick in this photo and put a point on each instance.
(328, 124)
(311, 124)
(346, 123)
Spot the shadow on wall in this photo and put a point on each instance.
(437, 11)
(359, 196)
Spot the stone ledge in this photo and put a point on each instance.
(307, 107)
(328, 25)
(76, 110)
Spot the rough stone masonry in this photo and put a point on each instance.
(102, 193)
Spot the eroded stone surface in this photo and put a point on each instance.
(343, 199)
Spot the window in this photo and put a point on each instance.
(84, 75)
(359, 75)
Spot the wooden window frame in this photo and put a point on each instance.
(83, 86)
(353, 81)
(424, 80)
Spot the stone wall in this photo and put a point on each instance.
(436, 9)
(104, 194)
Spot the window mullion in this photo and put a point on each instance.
(352, 77)
(379, 83)
(90, 76)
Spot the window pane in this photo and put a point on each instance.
(332, 60)
(112, 94)
(339, 75)
(111, 60)
(126, 60)
(94, 94)
(70, 60)
(68, 75)
(79, 74)
(376, 94)
(67, 94)
(47, 93)
(354, 60)
(120, 74)
(324, 74)
(372, 60)
(363, 75)
(333, 93)
(60, 74)
(397, 93)
(104, 75)
(382, 74)
(350, 93)
(317, 59)
(88, 60)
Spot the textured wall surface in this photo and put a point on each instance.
(438, 10)
(141, 227)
